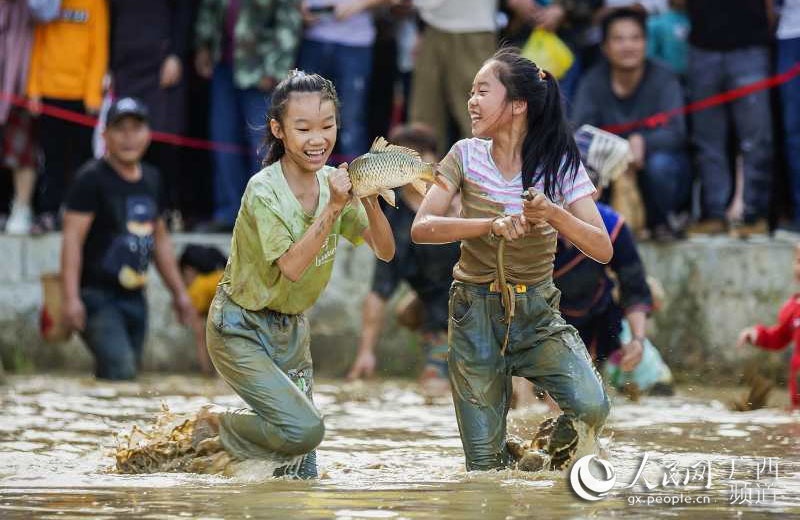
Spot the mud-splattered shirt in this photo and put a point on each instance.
(485, 193)
(270, 220)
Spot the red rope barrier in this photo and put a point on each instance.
(662, 118)
(163, 137)
(653, 121)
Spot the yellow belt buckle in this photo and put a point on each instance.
(520, 288)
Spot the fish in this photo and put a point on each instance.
(387, 166)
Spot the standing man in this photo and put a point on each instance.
(68, 62)
(727, 52)
(245, 47)
(113, 226)
(459, 35)
(149, 43)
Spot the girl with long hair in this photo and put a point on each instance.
(504, 318)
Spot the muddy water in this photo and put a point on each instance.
(387, 454)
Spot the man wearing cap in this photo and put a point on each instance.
(113, 227)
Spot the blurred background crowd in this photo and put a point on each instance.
(205, 69)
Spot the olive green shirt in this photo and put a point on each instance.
(270, 220)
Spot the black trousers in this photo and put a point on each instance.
(66, 146)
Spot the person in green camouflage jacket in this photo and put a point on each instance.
(245, 47)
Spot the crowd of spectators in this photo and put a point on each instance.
(205, 69)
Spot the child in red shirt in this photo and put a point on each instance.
(778, 336)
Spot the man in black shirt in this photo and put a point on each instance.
(113, 226)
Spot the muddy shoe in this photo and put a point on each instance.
(208, 446)
(304, 469)
(542, 436)
(212, 464)
(516, 447)
(534, 460)
(563, 442)
(206, 426)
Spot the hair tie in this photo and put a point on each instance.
(542, 74)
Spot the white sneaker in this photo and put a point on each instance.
(20, 220)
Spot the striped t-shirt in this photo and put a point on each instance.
(486, 193)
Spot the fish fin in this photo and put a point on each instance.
(420, 186)
(388, 196)
(381, 145)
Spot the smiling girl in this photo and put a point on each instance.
(284, 242)
(522, 141)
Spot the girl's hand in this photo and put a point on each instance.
(339, 183)
(747, 336)
(539, 209)
(511, 227)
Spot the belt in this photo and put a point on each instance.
(519, 288)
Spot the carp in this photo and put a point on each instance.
(387, 166)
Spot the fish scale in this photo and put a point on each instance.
(385, 167)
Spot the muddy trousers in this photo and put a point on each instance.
(542, 347)
(265, 357)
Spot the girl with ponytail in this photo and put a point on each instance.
(284, 242)
(522, 184)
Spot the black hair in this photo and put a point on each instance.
(297, 81)
(624, 13)
(549, 151)
(417, 136)
(204, 259)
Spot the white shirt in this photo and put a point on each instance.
(357, 31)
(789, 25)
(459, 16)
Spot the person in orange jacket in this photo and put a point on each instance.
(68, 63)
(779, 335)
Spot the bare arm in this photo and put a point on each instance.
(164, 258)
(372, 323)
(432, 227)
(379, 234)
(294, 262)
(299, 256)
(581, 224)
(633, 350)
(76, 227)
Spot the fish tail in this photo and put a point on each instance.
(431, 175)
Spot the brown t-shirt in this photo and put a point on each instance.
(485, 193)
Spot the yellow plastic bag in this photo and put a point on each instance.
(548, 52)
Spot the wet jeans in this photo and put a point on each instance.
(542, 348)
(265, 357)
(116, 322)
